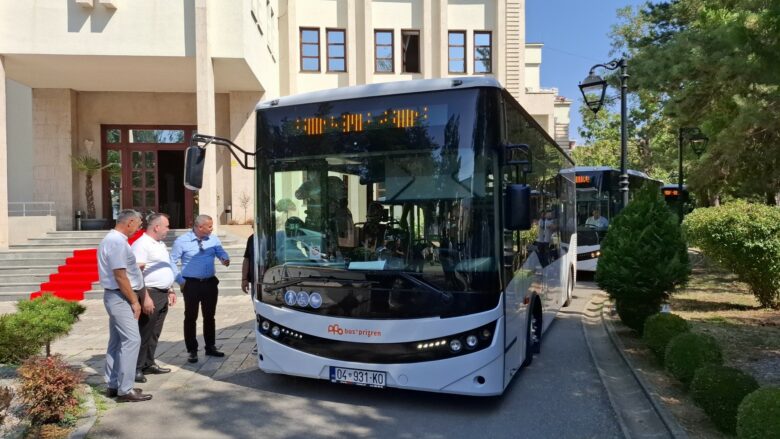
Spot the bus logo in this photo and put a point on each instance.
(335, 329)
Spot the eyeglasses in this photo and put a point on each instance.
(200, 245)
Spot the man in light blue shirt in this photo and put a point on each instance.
(197, 249)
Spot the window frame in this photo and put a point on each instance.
(343, 31)
(465, 51)
(392, 51)
(490, 65)
(419, 50)
(319, 50)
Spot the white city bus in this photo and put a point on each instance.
(598, 190)
(417, 235)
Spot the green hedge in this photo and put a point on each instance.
(744, 238)
(644, 257)
(719, 390)
(660, 329)
(634, 311)
(758, 416)
(689, 351)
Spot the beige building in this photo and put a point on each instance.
(127, 82)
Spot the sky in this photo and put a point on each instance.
(575, 34)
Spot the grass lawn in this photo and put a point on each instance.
(715, 303)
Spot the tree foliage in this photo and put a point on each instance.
(713, 64)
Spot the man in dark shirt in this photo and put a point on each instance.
(248, 268)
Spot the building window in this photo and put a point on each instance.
(483, 52)
(310, 49)
(383, 51)
(457, 52)
(337, 53)
(410, 51)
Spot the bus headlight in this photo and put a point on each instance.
(455, 345)
(471, 341)
(485, 334)
(275, 331)
(265, 326)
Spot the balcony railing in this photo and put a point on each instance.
(31, 208)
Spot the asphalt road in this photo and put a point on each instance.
(558, 396)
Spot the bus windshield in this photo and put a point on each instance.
(396, 201)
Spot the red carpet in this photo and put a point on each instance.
(76, 276)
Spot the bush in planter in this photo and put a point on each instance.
(47, 389)
(719, 390)
(660, 328)
(689, 351)
(643, 257)
(758, 416)
(744, 238)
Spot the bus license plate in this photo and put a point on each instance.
(357, 377)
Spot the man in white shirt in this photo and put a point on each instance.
(597, 221)
(123, 283)
(153, 259)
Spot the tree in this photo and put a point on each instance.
(89, 166)
(713, 64)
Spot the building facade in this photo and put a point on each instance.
(127, 83)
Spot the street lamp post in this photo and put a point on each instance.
(698, 142)
(593, 89)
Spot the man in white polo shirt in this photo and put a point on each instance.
(153, 259)
(123, 284)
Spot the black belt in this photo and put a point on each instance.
(195, 279)
(159, 290)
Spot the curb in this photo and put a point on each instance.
(671, 423)
(86, 422)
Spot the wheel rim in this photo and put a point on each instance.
(534, 332)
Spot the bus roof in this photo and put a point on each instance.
(381, 89)
(579, 169)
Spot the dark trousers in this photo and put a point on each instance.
(199, 294)
(150, 327)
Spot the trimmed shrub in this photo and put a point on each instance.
(634, 311)
(47, 389)
(16, 344)
(689, 351)
(660, 329)
(745, 239)
(758, 416)
(719, 390)
(644, 256)
(46, 318)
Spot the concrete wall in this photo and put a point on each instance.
(25, 227)
(20, 150)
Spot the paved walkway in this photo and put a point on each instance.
(87, 341)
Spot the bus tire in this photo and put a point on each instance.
(569, 289)
(533, 333)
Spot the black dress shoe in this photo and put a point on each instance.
(134, 396)
(213, 352)
(193, 358)
(156, 370)
(112, 393)
(139, 377)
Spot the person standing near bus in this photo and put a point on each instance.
(197, 249)
(153, 259)
(123, 283)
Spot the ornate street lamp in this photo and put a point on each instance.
(698, 143)
(593, 89)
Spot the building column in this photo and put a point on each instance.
(426, 40)
(442, 40)
(204, 77)
(351, 42)
(365, 35)
(3, 161)
(242, 133)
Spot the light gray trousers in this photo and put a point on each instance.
(124, 341)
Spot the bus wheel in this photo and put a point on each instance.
(533, 334)
(569, 290)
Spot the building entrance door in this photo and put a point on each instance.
(148, 174)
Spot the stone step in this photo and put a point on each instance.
(34, 262)
(27, 271)
(13, 278)
(35, 253)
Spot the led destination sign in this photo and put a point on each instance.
(355, 122)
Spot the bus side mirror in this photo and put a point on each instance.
(517, 207)
(194, 160)
(518, 155)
